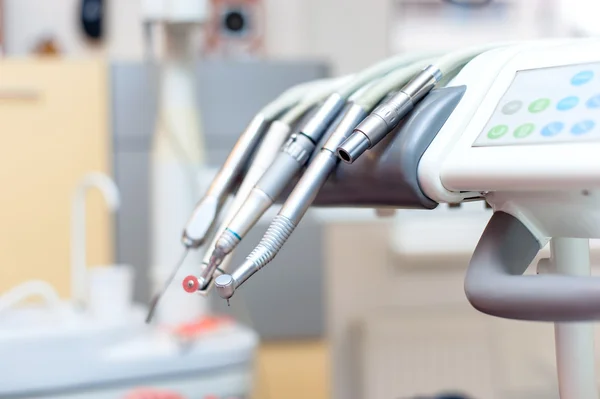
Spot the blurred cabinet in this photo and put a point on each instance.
(54, 129)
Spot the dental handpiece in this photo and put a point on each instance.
(289, 161)
(277, 134)
(386, 117)
(295, 154)
(306, 190)
(207, 210)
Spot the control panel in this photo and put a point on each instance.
(547, 105)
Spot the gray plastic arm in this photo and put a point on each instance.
(495, 283)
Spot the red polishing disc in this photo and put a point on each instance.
(190, 284)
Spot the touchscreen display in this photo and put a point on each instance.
(547, 105)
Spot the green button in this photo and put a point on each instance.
(497, 131)
(539, 105)
(524, 130)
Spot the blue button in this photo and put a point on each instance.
(552, 129)
(582, 78)
(582, 127)
(567, 103)
(593, 102)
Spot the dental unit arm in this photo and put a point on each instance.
(349, 141)
(399, 174)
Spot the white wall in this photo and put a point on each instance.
(28, 21)
(125, 33)
(287, 27)
(582, 16)
(330, 29)
(350, 34)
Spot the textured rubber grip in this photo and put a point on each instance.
(277, 234)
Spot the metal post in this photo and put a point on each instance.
(574, 341)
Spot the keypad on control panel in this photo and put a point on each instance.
(560, 104)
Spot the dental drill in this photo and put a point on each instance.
(268, 149)
(294, 155)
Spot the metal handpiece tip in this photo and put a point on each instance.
(225, 286)
(206, 276)
(152, 308)
(156, 298)
(353, 147)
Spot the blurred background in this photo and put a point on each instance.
(97, 184)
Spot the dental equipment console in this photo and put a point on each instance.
(513, 124)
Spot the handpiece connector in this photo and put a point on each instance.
(388, 115)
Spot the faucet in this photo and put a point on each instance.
(111, 195)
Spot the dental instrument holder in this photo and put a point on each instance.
(391, 183)
(389, 170)
(494, 282)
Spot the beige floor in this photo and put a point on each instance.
(293, 370)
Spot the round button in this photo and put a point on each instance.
(582, 78)
(552, 129)
(539, 105)
(593, 102)
(582, 127)
(524, 130)
(567, 103)
(497, 131)
(512, 107)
